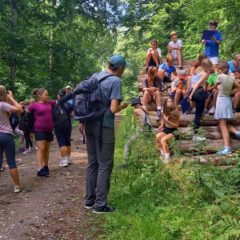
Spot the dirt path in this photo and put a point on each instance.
(48, 208)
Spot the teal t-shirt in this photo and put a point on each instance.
(111, 89)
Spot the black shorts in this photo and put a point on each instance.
(168, 130)
(166, 79)
(43, 136)
(63, 135)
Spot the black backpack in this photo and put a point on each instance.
(59, 114)
(26, 121)
(88, 102)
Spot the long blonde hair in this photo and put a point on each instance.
(3, 94)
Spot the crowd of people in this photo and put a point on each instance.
(208, 87)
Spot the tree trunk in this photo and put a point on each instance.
(12, 45)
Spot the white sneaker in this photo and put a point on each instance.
(26, 151)
(212, 110)
(197, 138)
(63, 162)
(17, 189)
(193, 111)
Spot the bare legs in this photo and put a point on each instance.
(42, 153)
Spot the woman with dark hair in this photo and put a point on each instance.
(8, 105)
(42, 127)
(63, 129)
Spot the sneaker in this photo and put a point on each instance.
(197, 138)
(63, 162)
(69, 161)
(158, 115)
(26, 151)
(43, 172)
(237, 134)
(212, 110)
(225, 151)
(193, 111)
(17, 189)
(106, 209)
(47, 170)
(88, 206)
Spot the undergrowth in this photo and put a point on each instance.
(176, 201)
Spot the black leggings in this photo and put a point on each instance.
(28, 141)
(199, 97)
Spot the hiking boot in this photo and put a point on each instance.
(158, 115)
(106, 209)
(225, 151)
(63, 162)
(197, 138)
(212, 110)
(17, 189)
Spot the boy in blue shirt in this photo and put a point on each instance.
(212, 45)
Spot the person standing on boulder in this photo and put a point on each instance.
(100, 138)
(212, 40)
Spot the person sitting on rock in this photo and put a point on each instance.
(168, 128)
(179, 87)
(154, 55)
(236, 92)
(166, 69)
(234, 65)
(151, 90)
(175, 47)
(213, 93)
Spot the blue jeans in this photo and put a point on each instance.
(7, 145)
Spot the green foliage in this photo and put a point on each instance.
(175, 201)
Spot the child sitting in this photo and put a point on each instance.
(170, 123)
(154, 55)
(175, 48)
(224, 110)
(166, 69)
(151, 90)
(213, 93)
(179, 87)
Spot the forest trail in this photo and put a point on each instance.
(47, 208)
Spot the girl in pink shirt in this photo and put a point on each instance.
(42, 127)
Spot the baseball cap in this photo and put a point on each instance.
(117, 61)
(182, 74)
(213, 22)
(136, 101)
(173, 33)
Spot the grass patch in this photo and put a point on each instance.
(175, 201)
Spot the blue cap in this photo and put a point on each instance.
(117, 61)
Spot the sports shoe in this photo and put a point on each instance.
(197, 138)
(43, 172)
(158, 115)
(106, 209)
(225, 151)
(69, 160)
(26, 151)
(88, 206)
(237, 134)
(212, 110)
(17, 189)
(63, 162)
(193, 111)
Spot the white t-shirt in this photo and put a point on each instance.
(177, 44)
(158, 50)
